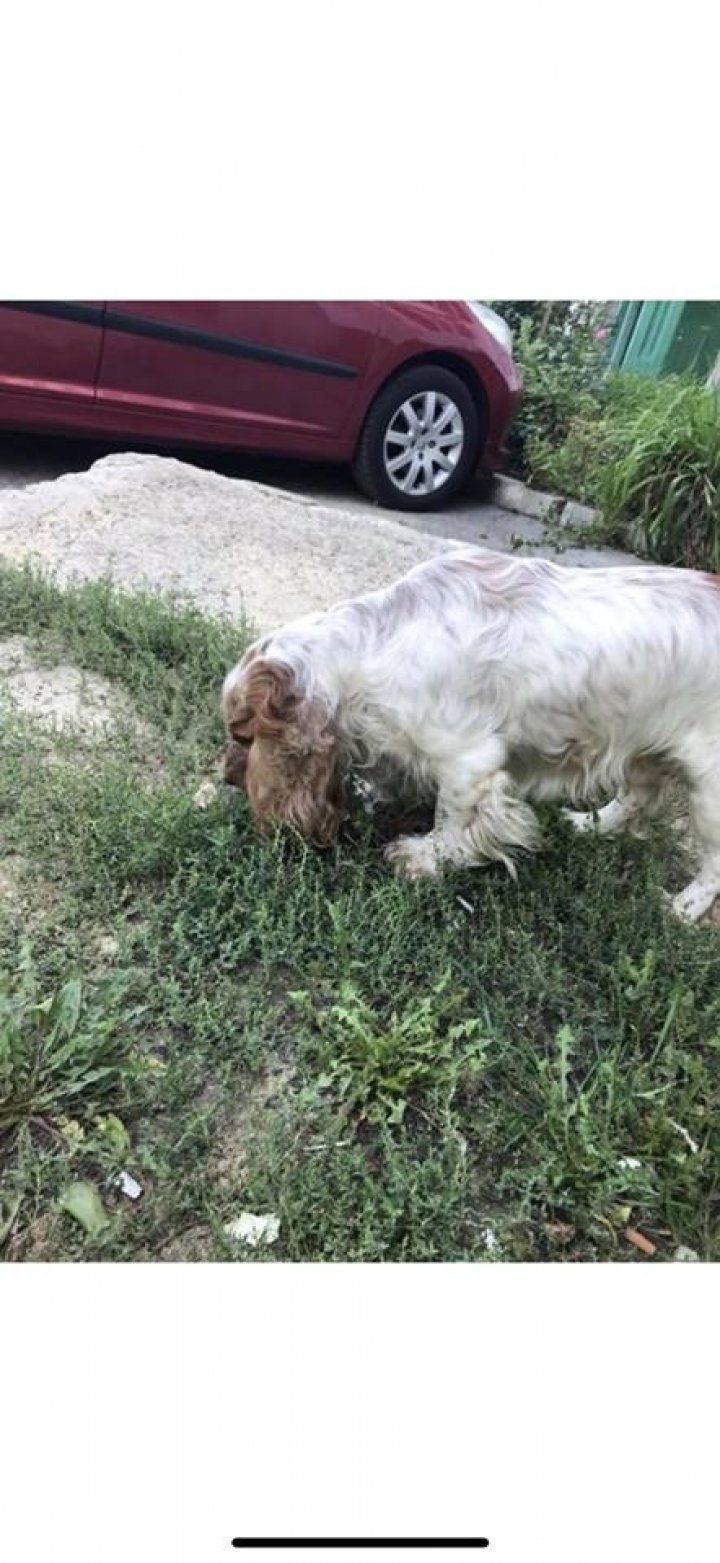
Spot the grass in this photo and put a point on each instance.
(663, 488)
(647, 454)
(458, 1070)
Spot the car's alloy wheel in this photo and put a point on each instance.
(423, 443)
(421, 439)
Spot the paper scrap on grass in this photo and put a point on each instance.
(83, 1203)
(128, 1185)
(205, 796)
(252, 1229)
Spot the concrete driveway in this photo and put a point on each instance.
(27, 459)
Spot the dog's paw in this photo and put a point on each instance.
(413, 856)
(681, 907)
(692, 904)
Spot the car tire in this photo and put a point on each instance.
(420, 440)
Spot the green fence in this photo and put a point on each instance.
(666, 337)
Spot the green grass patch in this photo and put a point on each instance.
(646, 453)
(279, 1029)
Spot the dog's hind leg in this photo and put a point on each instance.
(697, 898)
(643, 794)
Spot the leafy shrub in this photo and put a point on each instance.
(644, 452)
(560, 350)
(536, 311)
(576, 467)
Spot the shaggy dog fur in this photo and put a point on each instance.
(487, 682)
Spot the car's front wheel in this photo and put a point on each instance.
(420, 440)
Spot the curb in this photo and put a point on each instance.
(513, 494)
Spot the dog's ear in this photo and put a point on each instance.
(289, 768)
(259, 702)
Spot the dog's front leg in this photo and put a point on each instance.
(479, 819)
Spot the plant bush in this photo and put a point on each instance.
(560, 349)
(57, 1056)
(660, 491)
(644, 452)
(648, 457)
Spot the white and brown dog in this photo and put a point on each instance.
(488, 681)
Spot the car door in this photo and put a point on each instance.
(281, 375)
(49, 361)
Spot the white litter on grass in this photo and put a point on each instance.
(253, 1230)
(108, 947)
(629, 1163)
(466, 905)
(128, 1185)
(205, 795)
(686, 1255)
(489, 1239)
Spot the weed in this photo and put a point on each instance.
(376, 1067)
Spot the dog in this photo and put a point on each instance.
(489, 681)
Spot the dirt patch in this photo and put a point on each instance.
(36, 1243)
(24, 893)
(63, 701)
(61, 697)
(12, 870)
(195, 1246)
(229, 1161)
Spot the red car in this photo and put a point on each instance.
(415, 395)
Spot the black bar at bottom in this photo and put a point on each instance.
(360, 1541)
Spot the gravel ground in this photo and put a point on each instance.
(235, 546)
(233, 543)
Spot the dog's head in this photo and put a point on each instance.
(282, 750)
